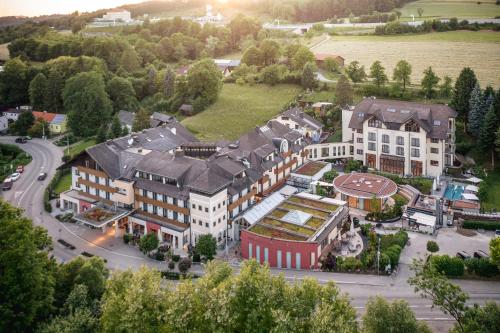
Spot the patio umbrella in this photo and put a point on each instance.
(474, 180)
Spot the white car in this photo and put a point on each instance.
(15, 176)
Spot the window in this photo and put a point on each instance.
(155, 210)
(359, 140)
(434, 150)
(200, 223)
(415, 152)
(325, 152)
(371, 146)
(223, 217)
(214, 224)
(218, 206)
(434, 163)
(385, 149)
(359, 151)
(437, 122)
(194, 206)
(206, 209)
(412, 126)
(199, 207)
(434, 140)
(218, 220)
(374, 123)
(385, 138)
(372, 136)
(213, 208)
(206, 225)
(415, 142)
(400, 151)
(400, 140)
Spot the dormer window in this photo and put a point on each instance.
(412, 126)
(374, 123)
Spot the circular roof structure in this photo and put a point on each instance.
(365, 185)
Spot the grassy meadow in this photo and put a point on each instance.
(451, 8)
(446, 52)
(239, 109)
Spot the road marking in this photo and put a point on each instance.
(17, 194)
(322, 281)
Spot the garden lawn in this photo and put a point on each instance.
(63, 184)
(451, 8)
(239, 109)
(78, 147)
(491, 200)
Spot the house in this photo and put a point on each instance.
(4, 123)
(226, 66)
(295, 118)
(405, 138)
(156, 119)
(321, 57)
(57, 122)
(117, 14)
(13, 114)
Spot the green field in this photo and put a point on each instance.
(239, 109)
(63, 184)
(78, 147)
(451, 8)
(446, 52)
(492, 184)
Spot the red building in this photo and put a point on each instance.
(295, 232)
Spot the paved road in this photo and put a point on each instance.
(27, 193)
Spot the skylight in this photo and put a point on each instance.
(437, 122)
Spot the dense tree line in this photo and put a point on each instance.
(396, 28)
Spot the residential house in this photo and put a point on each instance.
(226, 66)
(57, 122)
(126, 119)
(295, 118)
(4, 123)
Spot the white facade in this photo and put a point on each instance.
(208, 215)
(118, 15)
(4, 123)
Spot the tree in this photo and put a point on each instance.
(206, 246)
(184, 265)
(343, 92)
(396, 317)
(122, 94)
(129, 60)
(309, 76)
(79, 321)
(429, 82)
(271, 74)
(55, 85)
(102, 133)
(204, 81)
(301, 57)
(116, 127)
(484, 319)
(445, 89)
(24, 123)
(434, 285)
(432, 246)
(148, 242)
(487, 134)
(464, 85)
(37, 91)
(14, 82)
(141, 121)
(27, 283)
(477, 110)
(495, 251)
(151, 81)
(270, 51)
(169, 83)
(377, 72)
(356, 72)
(497, 141)
(252, 56)
(39, 129)
(402, 73)
(331, 65)
(420, 11)
(86, 102)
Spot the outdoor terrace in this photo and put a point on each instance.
(311, 168)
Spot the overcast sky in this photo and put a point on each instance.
(42, 7)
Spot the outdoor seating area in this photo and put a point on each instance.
(101, 215)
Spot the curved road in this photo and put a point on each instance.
(27, 193)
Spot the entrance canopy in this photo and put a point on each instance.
(101, 214)
(424, 219)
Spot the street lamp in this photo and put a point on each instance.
(378, 255)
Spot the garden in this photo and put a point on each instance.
(390, 250)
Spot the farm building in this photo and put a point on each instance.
(321, 58)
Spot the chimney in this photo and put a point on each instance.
(179, 153)
(257, 129)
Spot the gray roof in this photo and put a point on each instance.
(433, 118)
(303, 119)
(163, 117)
(126, 118)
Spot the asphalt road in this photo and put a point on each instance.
(27, 193)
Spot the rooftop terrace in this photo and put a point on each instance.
(310, 168)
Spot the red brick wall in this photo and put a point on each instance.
(273, 245)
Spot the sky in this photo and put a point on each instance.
(43, 7)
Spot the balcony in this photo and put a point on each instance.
(241, 200)
(285, 166)
(96, 185)
(90, 171)
(182, 210)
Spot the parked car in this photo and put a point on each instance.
(21, 139)
(7, 185)
(42, 176)
(481, 254)
(15, 176)
(20, 169)
(463, 255)
(497, 232)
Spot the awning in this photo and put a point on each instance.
(424, 219)
(470, 196)
(474, 180)
(472, 188)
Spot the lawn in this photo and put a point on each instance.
(446, 52)
(492, 188)
(63, 184)
(451, 8)
(239, 109)
(78, 147)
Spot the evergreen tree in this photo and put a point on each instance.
(169, 83)
(309, 76)
(37, 91)
(487, 134)
(377, 72)
(343, 92)
(402, 73)
(125, 131)
(462, 92)
(476, 110)
(151, 81)
(429, 81)
(497, 141)
(102, 133)
(116, 127)
(141, 121)
(445, 89)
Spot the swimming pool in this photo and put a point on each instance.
(453, 192)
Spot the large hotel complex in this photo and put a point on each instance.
(164, 180)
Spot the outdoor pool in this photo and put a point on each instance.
(453, 192)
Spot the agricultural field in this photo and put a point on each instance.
(451, 8)
(446, 52)
(239, 109)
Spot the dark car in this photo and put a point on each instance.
(463, 255)
(42, 176)
(21, 140)
(6, 186)
(497, 232)
(481, 254)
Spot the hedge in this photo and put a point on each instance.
(450, 266)
(486, 225)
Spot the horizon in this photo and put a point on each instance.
(38, 8)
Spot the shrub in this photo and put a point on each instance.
(365, 229)
(450, 266)
(486, 268)
(196, 257)
(184, 265)
(160, 256)
(471, 264)
(171, 265)
(127, 238)
(176, 258)
(393, 252)
(486, 225)
(432, 246)
(350, 264)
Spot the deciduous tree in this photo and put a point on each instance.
(116, 127)
(343, 92)
(14, 82)
(402, 73)
(24, 123)
(301, 57)
(204, 81)
(169, 83)
(429, 82)
(252, 56)
(149, 242)
(356, 72)
(141, 120)
(445, 89)
(37, 91)
(122, 94)
(270, 51)
(206, 246)
(309, 76)
(377, 72)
